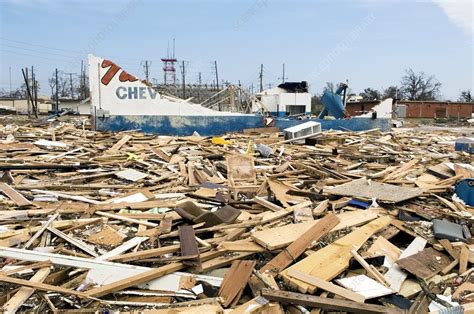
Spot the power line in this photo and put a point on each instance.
(34, 50)
(46, 47)
(35, 56)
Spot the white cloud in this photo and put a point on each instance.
(460, 12)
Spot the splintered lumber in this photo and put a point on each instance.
(235, 281)
(327, 286)
(395, 275)
(134, 280)
(24, 293)
(189, 249)
(249, 205)
(119, 144)
(12, 194)
(294, 250)
(279, 237)
(338, 253)
(425, 264)
(325, 303)
(363, 188)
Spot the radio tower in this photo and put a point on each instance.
(169, 70)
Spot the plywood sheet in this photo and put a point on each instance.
(363, 188)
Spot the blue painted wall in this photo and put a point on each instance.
(180, 125)
(217, 125)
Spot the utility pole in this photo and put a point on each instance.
(10, 75)
(147, 70)
(81, 80)
(261, 77)
(283, 78)
(217, 75)
(33, 92)
(184, 81)
(70, 82)
(199, 87)
(57, 92)
(28, 91)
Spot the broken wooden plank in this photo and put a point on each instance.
(235, 281)
(294, 250)
(325, 303)
(189, 249)
(24, 293)
(327, 286)
(12, 194)
(338, 252)
(43, 287)
(279, 237)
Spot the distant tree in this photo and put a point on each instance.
(316, 104)
(466, 96)
(390, 92)
(370, 94)
(419, 86)
(329, 86)
(64, 87)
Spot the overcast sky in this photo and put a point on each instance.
(368, 42)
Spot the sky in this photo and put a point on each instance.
(369, 43)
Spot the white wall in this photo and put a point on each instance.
(21, 105)
(271, 101)
(124, 94)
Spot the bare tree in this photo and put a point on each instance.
(465, 96)
(390, 92)
(419, 86)
(64, 88)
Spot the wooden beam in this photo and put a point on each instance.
(127, 219)
(43, 287)
(269, 205)
(463, 259)
(134, 280)
(12, 194)
(325, 303)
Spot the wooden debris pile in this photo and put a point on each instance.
(251, 223)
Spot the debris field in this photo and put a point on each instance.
(364, 222)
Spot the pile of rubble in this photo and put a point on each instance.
(248, 223)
